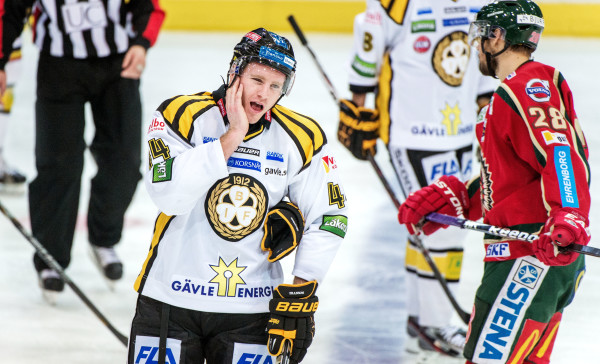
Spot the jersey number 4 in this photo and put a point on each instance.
(159, 149)
(335, 195)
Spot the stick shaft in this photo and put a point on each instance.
(52, 263)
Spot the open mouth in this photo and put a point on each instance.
(256, 106)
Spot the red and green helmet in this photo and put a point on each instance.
(520, 21)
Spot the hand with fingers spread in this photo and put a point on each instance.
(238, 120)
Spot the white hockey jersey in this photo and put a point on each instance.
(416, 52)
(206, 252)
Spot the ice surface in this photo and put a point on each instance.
(361, 318)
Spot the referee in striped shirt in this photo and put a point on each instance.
(90, 51)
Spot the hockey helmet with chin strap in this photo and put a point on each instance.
(268, 48)
(519, 21)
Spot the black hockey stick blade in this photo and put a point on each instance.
(52, 263)
(503, 232)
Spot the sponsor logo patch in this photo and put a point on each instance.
(455, 10)
(156, 125)
(208, 140)
(538, 90)
(146, 350)
(244, 163)
(251, 354)
(424, 11)
(336, 224)
(275, 171)
(498, 250)
(253, 36)
(249, 151)
(452, 22)
(554, 138)
(161, 172)
(527, 274)
(276, 56)
(274, 156)
(329, 163)
(422, 44)
(564, 173)
(422, 26)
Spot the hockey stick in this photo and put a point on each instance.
(52, 263)
(504, 232)
(464, 316)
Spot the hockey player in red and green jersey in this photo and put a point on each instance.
(534, 178)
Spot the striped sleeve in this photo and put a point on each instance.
(147, 20)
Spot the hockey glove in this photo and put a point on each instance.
(448, 195)
(564, 227)
(358, 129)
(292, 309)
(284, 227)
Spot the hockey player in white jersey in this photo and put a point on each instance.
(240, 182)
(414, 55)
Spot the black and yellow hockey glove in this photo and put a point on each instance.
(292, 319)
(284, 226)
(358, 129)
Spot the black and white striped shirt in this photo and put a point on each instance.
(81, 29)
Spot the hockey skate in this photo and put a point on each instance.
(11, 180)
(108, 263)
(51, 285)
(448, 341)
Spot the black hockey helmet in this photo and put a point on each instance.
(266, 48)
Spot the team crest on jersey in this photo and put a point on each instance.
(235, 206)
(451, 57)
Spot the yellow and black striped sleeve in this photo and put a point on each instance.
(304, 131)
(180, 112)
(396, 9)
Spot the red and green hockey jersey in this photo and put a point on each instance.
(534, 156)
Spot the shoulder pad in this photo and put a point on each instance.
(180, 111)
(304, 131)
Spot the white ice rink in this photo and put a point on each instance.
(361, 317)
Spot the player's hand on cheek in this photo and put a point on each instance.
(238, 120)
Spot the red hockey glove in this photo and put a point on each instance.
(292, 319)
(448, 195)
(564, 227)
(358, 129)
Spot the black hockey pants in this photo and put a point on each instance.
(64, 86)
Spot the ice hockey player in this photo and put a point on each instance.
(534, 177)
(240, 182)
(414, 55)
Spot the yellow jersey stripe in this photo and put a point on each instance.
(160, 227)
(396, 9)
(181, 111)
(304, 131)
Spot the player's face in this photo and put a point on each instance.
(262, 88)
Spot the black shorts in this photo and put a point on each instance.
(195, 336)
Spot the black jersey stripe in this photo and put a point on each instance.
(160, 228)
(304, 131)
(396, 9)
